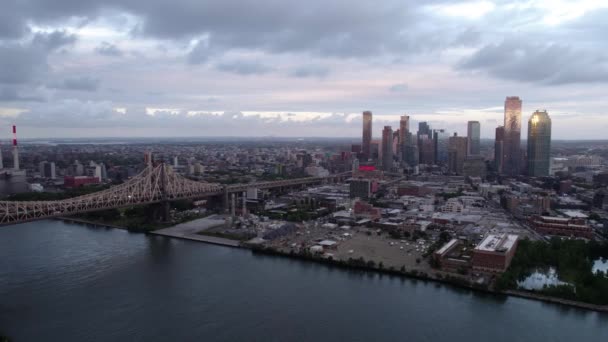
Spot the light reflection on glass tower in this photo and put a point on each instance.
(512, 140)
(539, 144)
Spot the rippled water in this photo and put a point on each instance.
(539, 279)
(72, 283)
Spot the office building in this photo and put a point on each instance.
(512, 136)
(539, 144)
(387, 148)
(404, 130)
(47, 170)
(426, 148)
(424, 129)
(474, 166)
(360, 188)
(457, 152)
(499, 144)
(367, 135)
(494, 253)
(441, 137)
(473, 138)
(411, 151)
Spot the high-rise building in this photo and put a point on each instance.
(404, 129)
(441, 137)
(387, 148)
(512, 139)
(499, 144)
(457, 154)
(411, 150)
(539, 144)
(473, 138)
(424, 128)
(474, 166)
(47, 170)
(426, 148)
(367, 135)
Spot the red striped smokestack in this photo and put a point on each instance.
(14, 135)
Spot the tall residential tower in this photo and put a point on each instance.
(539, 144)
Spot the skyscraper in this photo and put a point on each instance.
(441, 137)
(539, 144)
(473, 138)
(424, 128)
(499, 144)
(367, 135)
(426, 149)
(512, 138)
(387, 148)
(404, 129)
(457, 151)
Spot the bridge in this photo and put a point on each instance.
(155, 184)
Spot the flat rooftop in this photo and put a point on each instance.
(497, 243)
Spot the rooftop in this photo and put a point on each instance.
(497, 243)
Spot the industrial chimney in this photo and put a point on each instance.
(15, 149)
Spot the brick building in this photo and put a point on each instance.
(494, 253)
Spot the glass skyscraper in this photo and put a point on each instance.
(367, 135)
(512, 140)
(539, 144)
(387, 148)
(473, 138)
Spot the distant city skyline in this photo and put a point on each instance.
(108, 68)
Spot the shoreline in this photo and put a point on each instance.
(414, 274)
(603, 309)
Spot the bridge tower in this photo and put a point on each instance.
(164, 203)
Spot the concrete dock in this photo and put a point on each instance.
(189, 231)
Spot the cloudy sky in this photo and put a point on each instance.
(77, 68)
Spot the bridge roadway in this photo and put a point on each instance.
(153, 185)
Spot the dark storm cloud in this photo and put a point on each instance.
(27, 61)
(337, 28)
(243, 67)
(318, 71)
(518, 60)
(108, 49)
(50, 41)
(78, 83)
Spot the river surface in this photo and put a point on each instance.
(69, 282)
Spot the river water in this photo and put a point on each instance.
(69, 282)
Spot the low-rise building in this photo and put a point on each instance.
(564, 226)
(494, 253)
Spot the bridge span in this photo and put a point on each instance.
(153, 185)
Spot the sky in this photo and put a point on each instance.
(157, 68)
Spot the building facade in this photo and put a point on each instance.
(473, 138)
(367, 135)
(441, 137)
(512, 137)
(457, 154)
(499, 144)
(387, 148)
(539, 144)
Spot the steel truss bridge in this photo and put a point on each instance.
(153, 185)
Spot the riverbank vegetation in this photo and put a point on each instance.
(573, 261)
